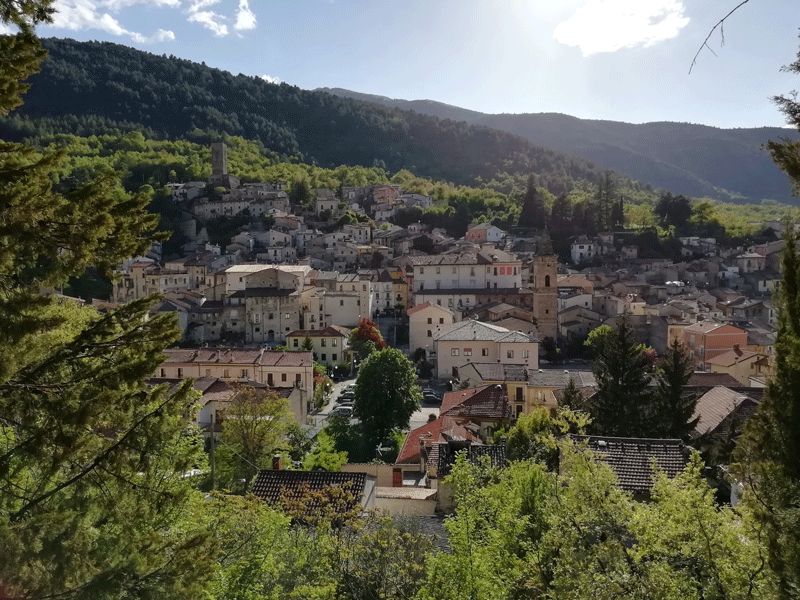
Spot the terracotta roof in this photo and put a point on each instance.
(732, 357)
(443, 428)
(419, 307)
(273, 485)
(485, 402)
(715, 405)
(255, 356)
(631, 459)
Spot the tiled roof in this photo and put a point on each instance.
(631, 459)
(479, 331)
(474, 292)
(710, 379)
(274, 485)
(485, 402)
(715, 405)
(500, 371)
(448, 453)
(732, 357)
(440, 430)
(419, 307)
(559, 378)
(255, 356)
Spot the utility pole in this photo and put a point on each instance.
(213, 464)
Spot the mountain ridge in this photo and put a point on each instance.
(687, 158)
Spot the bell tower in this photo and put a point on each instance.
(545, 289)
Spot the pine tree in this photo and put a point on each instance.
(533, 214)
(93, 501)
(622, 405)
(674, 417)
(769, 451)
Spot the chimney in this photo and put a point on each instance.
(276, 462)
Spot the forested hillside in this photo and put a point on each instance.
(695, 160)
(90, 88)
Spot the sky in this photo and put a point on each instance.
(621, 60)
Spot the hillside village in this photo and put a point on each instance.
(494, 308)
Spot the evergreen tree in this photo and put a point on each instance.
(533, 214)
(604, 200)
(674, 416)
(561, 215)
(308, 345)
(93, 497)
(572, 398)
(622, 405)
(769, 450)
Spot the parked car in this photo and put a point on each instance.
(431, 397)
(347, 396)
(345, 411)
(346, 402)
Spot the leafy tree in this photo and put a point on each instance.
(92, 495)
(674, 409)
(366, 339)
(622, 405)
(530, 439)
(254, 426)
(386, 394)
(673, 211)
(323, 457)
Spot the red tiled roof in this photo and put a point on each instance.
(255, 356)
(485, 402)
(440, 430)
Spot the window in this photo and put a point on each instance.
(323, 342)
(296, 342)
(524, 354)
(547, 281)
(298, 379)
(225, 374)
(164, 374)
(484, 352)
(467, 351)
(283, 376)
(454, 352)
(334, 357)
(333, 343)
(429, 335)
(421, 270)
(208, 372)
(341, 302)
(441, 320)
(509, 353)
(324, 357)
(245, 374)
(271, 316)
(454, 271)
(270, 380)
(286, 316)
(439, 270)
(430, 321)
(180, 372)
(519, 394)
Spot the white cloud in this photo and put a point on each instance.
(270, 79)
(201, 4)
(610, 25)
(210, 20)
(245, 18)
(86, 14)
(7, 29)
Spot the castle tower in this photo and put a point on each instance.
(545, 290)
(219, 160)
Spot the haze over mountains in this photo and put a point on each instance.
(695, 160)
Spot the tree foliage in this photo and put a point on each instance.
(93, 498)
(366, 339)
(674, 408)
(622, 405)
(386, 394)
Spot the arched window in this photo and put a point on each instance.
(547, 281)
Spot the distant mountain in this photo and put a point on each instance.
(92, 88)
(695, 160)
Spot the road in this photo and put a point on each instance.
(419, 418)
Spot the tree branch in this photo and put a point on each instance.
(721, 26)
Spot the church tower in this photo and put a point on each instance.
(219, 160)
(545, 289)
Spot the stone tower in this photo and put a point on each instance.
(219, 160)
(545, 289)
